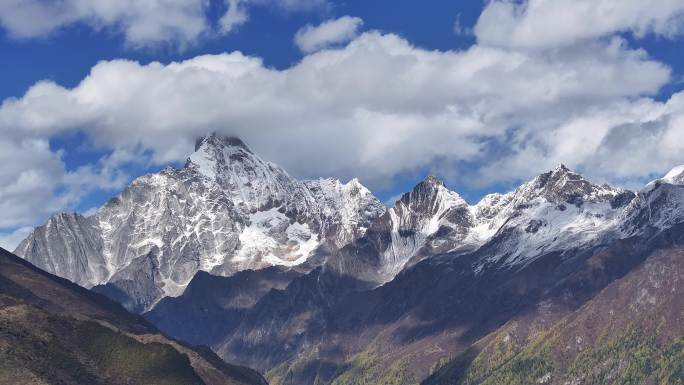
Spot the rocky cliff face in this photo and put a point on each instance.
(426, 221)
(226, 211)
(557, 210)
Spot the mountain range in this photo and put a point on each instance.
(560, 281)
(226, 211)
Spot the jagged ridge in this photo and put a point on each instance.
(227, 210)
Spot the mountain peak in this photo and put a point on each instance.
(429, 191)
(354, 182)
(252, 182)
(219, 141)
(356, 185)
(557, 178)
(432, 181)
(215, 152)
(564, 185)
(675, 176)
(562, 168)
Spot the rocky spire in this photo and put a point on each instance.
(218, 141)
(562, 185)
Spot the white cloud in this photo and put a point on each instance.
(626, 142)
(460, 29)
(235, 16)
(544, 23)
(313, 38)
(29, 171)
(34, 182)
(143, 23)
(376, 108)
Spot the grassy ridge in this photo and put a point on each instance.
(628, 359)
(631, 333)
(44, 348)
(54, 332)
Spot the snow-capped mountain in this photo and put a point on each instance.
(426, 221)
(561, 211)
(658, 206)
(227, 210)
(556, 211)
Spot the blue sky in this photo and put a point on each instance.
(483, 94)
(67, 56)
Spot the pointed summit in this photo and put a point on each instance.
(214, 153)
(562, 185)
(429, 186)
(354, 182)
(218, 141)
(430, 194)
(430, 212)
(433, 180)
(355, 186)
(251, 181)
(562, 168)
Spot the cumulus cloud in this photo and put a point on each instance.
(543, 24)
(143, 23)
(625, 143)
(28, 167)
(313, 38)
(34, 182)
(376, 108)
(235, 16)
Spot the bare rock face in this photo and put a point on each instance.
(555, 211)
(226, 211)
(426, 221)
(68, 245)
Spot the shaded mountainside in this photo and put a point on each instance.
(632, 332)
(215, 305)
(55, 332)
(559, 241)
(398, 332)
